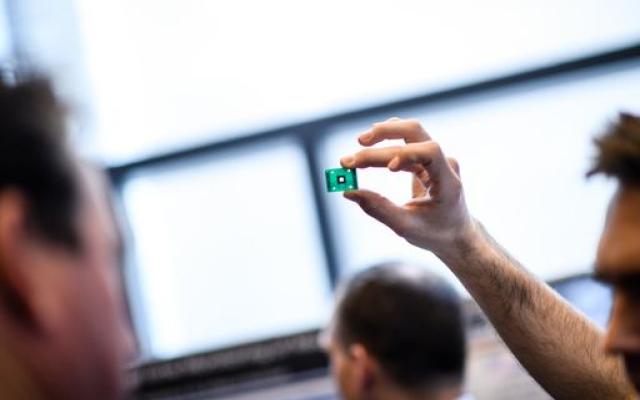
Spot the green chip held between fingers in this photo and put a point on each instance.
(341, 179)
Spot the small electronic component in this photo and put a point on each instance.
(341, 179)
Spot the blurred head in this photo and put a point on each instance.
(63, 329)
(397, 332)
(618, 259)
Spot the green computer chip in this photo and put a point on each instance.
(341, 179)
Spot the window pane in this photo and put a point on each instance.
(46, 38)
(523, 154)
(179, 72)
(227, 250)
(5, 39)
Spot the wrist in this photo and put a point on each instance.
(468, 242)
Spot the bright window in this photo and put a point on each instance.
(227, 250)
(5, 40)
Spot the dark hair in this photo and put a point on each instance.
(34, 159)
(409, 320)
(619, 151)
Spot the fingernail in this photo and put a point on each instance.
(366, 137)
(350, 196)
(347, 161)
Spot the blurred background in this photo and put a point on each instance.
(216, 119)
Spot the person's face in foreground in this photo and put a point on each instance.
(89, 337)
(618, 263)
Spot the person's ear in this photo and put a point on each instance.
(366, 368)
(15, 237)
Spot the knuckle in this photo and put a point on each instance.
(414, 124)
(406, 154)
(435, 147)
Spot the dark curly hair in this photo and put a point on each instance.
(34, 158)
(619, 151)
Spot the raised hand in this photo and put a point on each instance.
(437, 214)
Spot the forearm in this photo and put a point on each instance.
(559, 347)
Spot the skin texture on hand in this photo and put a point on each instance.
(559, 347)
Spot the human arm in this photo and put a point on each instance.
(560, 348)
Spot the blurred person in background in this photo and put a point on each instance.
(567, 354)
(397, 333)
(64, 333)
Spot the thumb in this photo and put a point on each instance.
(378, 207)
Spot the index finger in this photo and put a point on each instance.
(409, 130)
